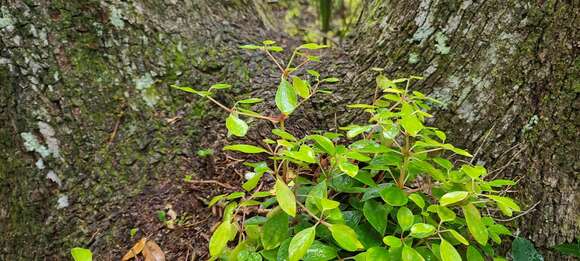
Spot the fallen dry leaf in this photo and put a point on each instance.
(135, 250)
(152, 252)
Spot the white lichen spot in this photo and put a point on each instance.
(423, 20)
(413, 58)
(441, 46)
(54, 178)
(6, 20)
(39, 164)
(31, 143)
(531, 123)
(48, 133)
(148, 91)
(62, 202)
(249, 175)
(116, 18)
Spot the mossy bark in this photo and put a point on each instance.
(97, 73)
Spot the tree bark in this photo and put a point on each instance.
(88, 81)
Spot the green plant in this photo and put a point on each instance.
(81, 254)
(384, 190)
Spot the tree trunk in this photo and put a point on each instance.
(85, 102)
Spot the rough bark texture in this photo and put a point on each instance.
(88, 82)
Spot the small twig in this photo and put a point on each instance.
(482, 143)
(521, 214)
(117, 123)
(275, 61)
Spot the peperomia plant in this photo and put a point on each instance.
(385, 190)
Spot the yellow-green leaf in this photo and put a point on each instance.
(422, 230)
(301, 87)
(345, 237)
(220, 238)
(300, 243)
(405, 218)
(236, 126)
(348, 168)
(285, 198)
(453, 197)
(448, 252)
(410, 254)
(250, 149)
(458, 236)
(474, 224)
(81, 254)
(286, 99)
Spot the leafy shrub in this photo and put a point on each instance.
(385, 190)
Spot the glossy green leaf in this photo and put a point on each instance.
(422, 230)
(219, 86)
(284, 134)
(220, 237)
(410, 254)
(81, 254)
(320, 252)
(312, 46)
(448, 252)
(251, 101)
(345, 237)
(315, 196)
(474, 224)
(348, 168)
(473, 254)
(409, 120)
(458, 236)
(286, 99)
(392, 241)
(328, 204)
(215, 199)
(285, 198)
(275, 230)
(474, 171)
(418, 200)
(251, 47)
(301, 87)
(356, 130)
(331, 80)
(250, 149)
(507, 202)
(394, 196)
(405, 218)
(572, 249)
(300, 243)
(445, 214)
(453, 197)
(325, 143)
(376, 213)
(313, 73)
(236, 126)
(377, 254)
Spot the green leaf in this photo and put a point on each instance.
(251, 47)
(458, 236)
(330, 80)
(215, 200)
(345, 237)
(376, 213)
(507, 202)
(313, 73)
(236, 126)
(377, 254)
(325, 143)
(250, 149)
(405, 218)
(283, 134)
(422, 230)
(348, 168)
(275, 230)
(268, 42)
(300, 243)
(235, 195)
(501, 182)
(285, 197)
(301, 87)
(81, 254)
(286, 100)
(572, 249)
(356, 130)
(410, 254)
(251, 101)
(312, 46)
(448, 252)
(418, 200)
(453, 197)
(220, 237)
(320, 252)
(445, 214)
(473, 255)
(474, 171)
(394, 196)
(409, 120)
(315, 196)
(392, 241)
(524, 250)
(219, 86)
(191, 90)
(328, 204)
(474, 224)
